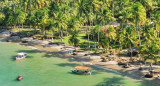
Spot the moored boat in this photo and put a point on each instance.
(21, 56)
(82, 70)
(19, 78)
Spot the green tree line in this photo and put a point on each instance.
(139, 21)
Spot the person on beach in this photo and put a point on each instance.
(158, 77)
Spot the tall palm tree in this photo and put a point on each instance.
(20, 17)
(129, 37)
(157, 18)
(103, 41)
(148, 34)
(60, 19)
(139, 14)
(111, 34)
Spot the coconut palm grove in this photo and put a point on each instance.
(79, 42)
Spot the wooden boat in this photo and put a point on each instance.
(19, 78)
(82, 70)
(21, 56)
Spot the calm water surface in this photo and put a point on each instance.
(42, 69)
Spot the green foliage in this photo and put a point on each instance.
(2, 16)
(139, 19)
(139, 13)
(103, 41)
(20, 17)
(128, 37)
(150, 52)
(73, 38)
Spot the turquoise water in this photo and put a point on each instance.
(42, 69)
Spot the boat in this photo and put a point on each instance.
(21, 56)
(82, 70)
(19, 78)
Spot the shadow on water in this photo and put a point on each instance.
(78, 74)
(94, 69)
(154, 82)
(13, 58)
(29, 51)
(115, 81)
(67, 64)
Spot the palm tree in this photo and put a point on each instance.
(157, 17)
(150, 52)
(2, 16)
(148, 34)
(51, 27)
(103, 41)
(129, 38)
(73, 38)
(41, 19)
(20, 17)
(111, 34)
(60, 19)
(9, 19)
(139, 14)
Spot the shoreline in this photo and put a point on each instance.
(132, 72)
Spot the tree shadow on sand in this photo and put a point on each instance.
(63, 56)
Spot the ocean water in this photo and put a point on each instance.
(41, 68)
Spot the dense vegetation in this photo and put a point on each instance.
(139, 21)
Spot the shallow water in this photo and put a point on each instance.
(42, 69)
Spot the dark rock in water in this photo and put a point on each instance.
(85, 54)
(24, 41)
(140, 68)
(120, 63)
(148, 76)
(125, 66)
(74, 53)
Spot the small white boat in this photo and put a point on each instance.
(21, 56)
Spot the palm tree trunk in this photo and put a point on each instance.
(30, 26)
(22, 25)
(94, 39)
(52, 35)
(139, 36)
(131, 52)
(98, 35)
(113, 8)
(61, 36)
(138, 29)
(44, 33)
(88, 36)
